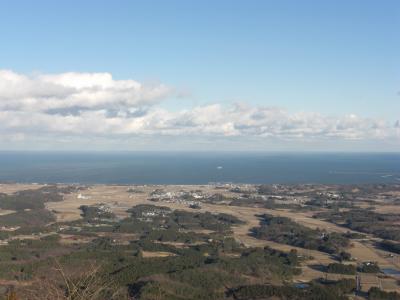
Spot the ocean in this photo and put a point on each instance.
(198, 168)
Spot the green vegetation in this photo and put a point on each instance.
(20, 259)
(196, 272)
(390, 246)
(341, 269)
(316, 290)
(29, 206)
(163, 217)
(375, 293)
(195, 275)
(285, 231)
(33, 199)
(344, 256)
(369, 267)
(257, 201)
(96, 212)
(384, 226)
(27, 219)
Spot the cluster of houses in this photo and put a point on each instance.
(330, 195)
(243, 188)
(104, 208)
(83, 197)
(67, 227)
(155, 212)
(191, 199)
(149, 213)
(285, 199)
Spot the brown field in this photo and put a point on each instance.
(68, 239)
(10, 188)
(179, 244)
(387, 209)
(4, 212)
(148, 254)
(30, 236)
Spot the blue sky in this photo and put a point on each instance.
(334, 58)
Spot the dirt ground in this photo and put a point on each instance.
(147, 254)
(4, 212)
(10, 188)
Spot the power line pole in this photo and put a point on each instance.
(358, 283)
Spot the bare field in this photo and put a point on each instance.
(4, 212)
(10, 188)
(148, 254)
(68, 239)
(387, 209)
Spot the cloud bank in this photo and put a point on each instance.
(97, 105)
(70, 92)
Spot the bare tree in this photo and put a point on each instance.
(89, 285)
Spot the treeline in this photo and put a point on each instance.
(30, 206)
(375, 293)
(390, 246)
(258, 201)
(33, 199)
(28, 218)
(333, 290)
(94, 212)
(204, 271)
(20, 259)
(194, 276)
(338, 268)
(285, 231)
(165, 218)
(367, 221)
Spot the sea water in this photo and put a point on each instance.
(198, 168)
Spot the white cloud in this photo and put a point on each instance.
(90, 105)
(72, 91)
